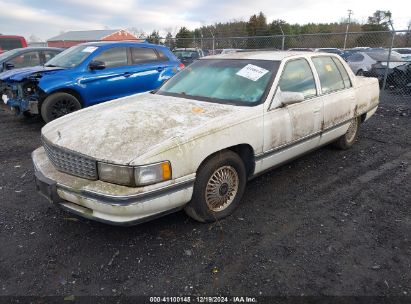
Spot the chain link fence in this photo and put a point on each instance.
(383, 54)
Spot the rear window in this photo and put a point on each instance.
(186, 54)
(403, 51)
(355, 58)
(7, 44)
(383, 56)
(162, 56)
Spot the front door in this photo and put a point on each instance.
(111, 82)
(296, 128)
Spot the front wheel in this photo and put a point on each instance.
(58, 105)
(347, 140)
(219, 187)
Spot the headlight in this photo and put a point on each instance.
(134, 176)
(122, 175)
(151, 174)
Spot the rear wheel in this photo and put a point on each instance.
(347, 140)
(58, 105)
(218, 189)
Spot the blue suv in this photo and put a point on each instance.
(85, 75)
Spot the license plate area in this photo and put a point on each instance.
(46, 187)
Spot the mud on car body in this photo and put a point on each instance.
(195, 142)
(85, 75)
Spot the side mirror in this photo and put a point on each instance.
(8, 66)
(96, 65)
(287, 98)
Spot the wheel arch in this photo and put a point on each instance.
(363, 117)
(70, 91)
(244, 151)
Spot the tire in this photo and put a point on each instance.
(58, 105)
(360, 73)
(219, 187)
(27, 114)
(347, 140)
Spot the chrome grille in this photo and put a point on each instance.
(71, 162)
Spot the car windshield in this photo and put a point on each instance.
(71, 57)
(186, 54)
(231, 81)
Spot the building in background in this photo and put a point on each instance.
(72, 38)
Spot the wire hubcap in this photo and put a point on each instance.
(222, 188)
(352, 130)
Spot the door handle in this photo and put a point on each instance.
(127, 74)
(160, 69)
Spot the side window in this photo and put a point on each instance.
(143, 55)
(343, 72)
(355, 58)
(162, 56)
(49, 55)
(298, 77)
(25, 60)
(114, 57)
(330, 77)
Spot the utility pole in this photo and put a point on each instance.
(283, 38)
(212, 34)
(350, 12)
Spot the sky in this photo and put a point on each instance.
(47, 18)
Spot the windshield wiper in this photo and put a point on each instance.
(51, 66)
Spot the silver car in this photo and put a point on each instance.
(362, 62)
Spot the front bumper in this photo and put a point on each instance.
(109, 203)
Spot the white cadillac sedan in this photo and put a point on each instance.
(195, 142)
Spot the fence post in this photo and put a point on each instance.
(384, 83)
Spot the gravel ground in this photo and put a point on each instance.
(330, 223)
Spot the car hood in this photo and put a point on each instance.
(122, 130)
(20, 74)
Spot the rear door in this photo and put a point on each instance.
(149, 69)
(337, 93)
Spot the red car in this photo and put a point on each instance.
(8, 43)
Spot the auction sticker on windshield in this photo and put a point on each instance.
(5, 98)
(89, 49)
(252, 72)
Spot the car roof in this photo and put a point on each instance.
(40, 48)
(122, 43)
(15, 52)
(185, 49)
(266, 55)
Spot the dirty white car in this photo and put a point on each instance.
(195, 142)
